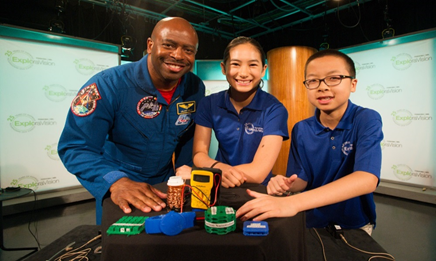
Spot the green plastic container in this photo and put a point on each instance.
(220, 220)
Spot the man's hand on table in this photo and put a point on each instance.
(126, 192)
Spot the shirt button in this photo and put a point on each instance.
(334, 147)
(332, 138)
(237, 128)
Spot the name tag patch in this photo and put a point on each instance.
(186, 107)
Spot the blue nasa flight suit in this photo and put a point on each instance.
(119, 126)
(320, 155)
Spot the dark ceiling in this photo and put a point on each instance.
(274, 23)
(227, 18)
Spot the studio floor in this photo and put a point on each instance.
(405, 228)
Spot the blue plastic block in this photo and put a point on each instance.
(255, 228)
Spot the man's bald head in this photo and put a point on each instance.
(174, 23)
(171, 49)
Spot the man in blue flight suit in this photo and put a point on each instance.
(126, 122)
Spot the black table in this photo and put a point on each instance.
(306, 242)
(285, 241)
(334, 248)
(11, 193)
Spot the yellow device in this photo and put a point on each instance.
(201, 184)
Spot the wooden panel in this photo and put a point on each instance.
(286, 76)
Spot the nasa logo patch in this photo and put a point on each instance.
(183, 119)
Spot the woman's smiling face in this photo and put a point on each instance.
(244, 68)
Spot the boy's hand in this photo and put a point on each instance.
(279, 184)
(264, 206)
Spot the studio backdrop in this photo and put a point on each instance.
(397, 78)
(40, 75)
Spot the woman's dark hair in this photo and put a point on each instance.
(242, 40)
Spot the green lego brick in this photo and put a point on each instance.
(127, 225)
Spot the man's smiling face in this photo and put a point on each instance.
(172, 52)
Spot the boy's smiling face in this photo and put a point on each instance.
(331, 100)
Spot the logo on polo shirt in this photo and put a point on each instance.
(347, 147)
(250, 128)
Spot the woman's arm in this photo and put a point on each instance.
(264, 159)
(254, 172)
(200, 149)
(231, 176)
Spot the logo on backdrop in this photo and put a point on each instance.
(405, 117)
(250, 128)
(57, 92)
(87, 67)
(377, 91)
(390, 144)
(403, 61)
(33, 183)
(23, 60)
(48, 181)
(52, 151)
(29, 182)
(24, 122)
(404, 172)
(364, 66)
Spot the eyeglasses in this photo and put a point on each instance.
(329, 81)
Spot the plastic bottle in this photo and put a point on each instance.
(174, 193)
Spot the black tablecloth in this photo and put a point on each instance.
(334, 248)
(288, 240)
(285, 241)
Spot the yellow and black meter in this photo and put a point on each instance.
(205, 184)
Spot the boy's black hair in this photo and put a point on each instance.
(331, 52)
